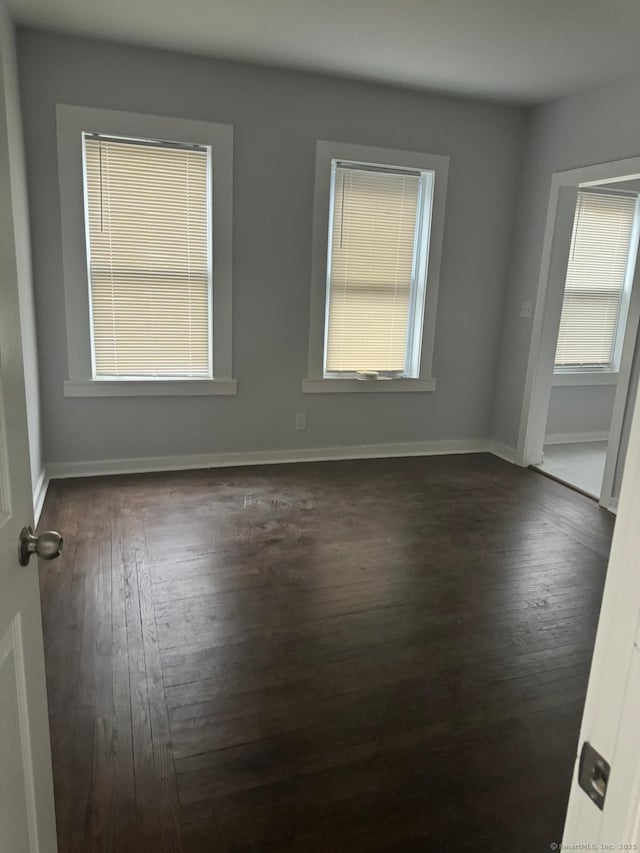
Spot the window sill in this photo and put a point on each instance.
(585, 378)
(150, 388)
(366, 386)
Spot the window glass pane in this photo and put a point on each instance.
(371, 268)
(148, 246)
(596, 276)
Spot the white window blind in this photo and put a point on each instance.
(596, 276)
(374, 239)
(149, 257)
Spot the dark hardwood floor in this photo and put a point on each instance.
(384, 655)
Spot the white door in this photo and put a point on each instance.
(27, 820)
(611, 722)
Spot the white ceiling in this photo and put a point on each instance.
(517, 50)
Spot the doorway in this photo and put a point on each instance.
(583, 366)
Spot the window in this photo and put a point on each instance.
(147, 258)
(377, 248)
(599, 274)
(147, 227)
(377, 242)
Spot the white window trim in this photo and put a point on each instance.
(316, 383)
(566, 378)
(71, 121)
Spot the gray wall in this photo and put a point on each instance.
(277, 116)
(580, 409)
(23, 248)
(594, 127)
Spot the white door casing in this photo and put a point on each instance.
(615, 452)
(546, 319)
(27, 820)
(562, 207)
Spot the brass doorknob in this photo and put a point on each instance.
(46, 545)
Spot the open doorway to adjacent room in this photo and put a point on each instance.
(587, 359)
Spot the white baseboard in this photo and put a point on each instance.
(39, 494)
(575, 437)
(503, 451)
(59, 470)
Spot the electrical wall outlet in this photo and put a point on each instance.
(527, 310)
(301, 421)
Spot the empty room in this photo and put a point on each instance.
(319, 426)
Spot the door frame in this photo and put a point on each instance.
(546, 320)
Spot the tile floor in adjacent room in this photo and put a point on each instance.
(580, 464)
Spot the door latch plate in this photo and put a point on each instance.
(593, 774)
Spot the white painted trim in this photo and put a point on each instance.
(503, 451)
(150, 388)
(544, 328)
(325, 152)
(10, 642)
(546, 322)
(575, 437)
(356, 386)
(629, 344)
(60, 470)
(611, 505)
(568, 379)
(39, 495)
(71, 121)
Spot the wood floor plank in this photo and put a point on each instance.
(380, 655)
(164, 768)
(85, 808)
(124, 789)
